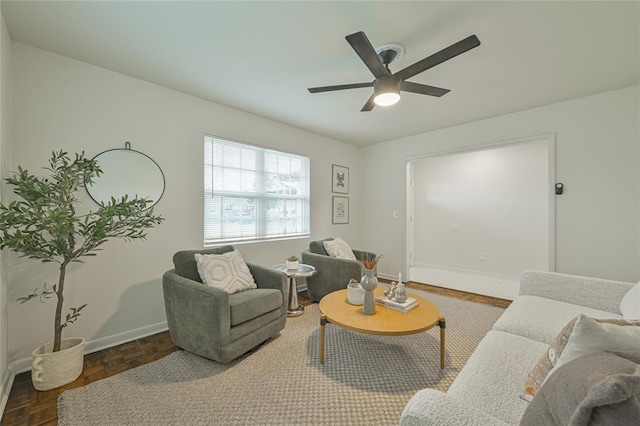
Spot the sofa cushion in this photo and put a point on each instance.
(339, 248)
(541, 319)
(598, 389)
(630, 304)
(227, 271)
(250, 304)
(493, 376)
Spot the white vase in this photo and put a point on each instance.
(369, 282)
(50, 370)
(292, 265)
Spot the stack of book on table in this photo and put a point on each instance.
(406, 306)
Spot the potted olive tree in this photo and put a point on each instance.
(43, 224)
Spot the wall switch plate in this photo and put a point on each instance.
(394, 214)
(482, 257)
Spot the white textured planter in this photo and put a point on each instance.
(51, 370)
(292, 265)
(355, 295)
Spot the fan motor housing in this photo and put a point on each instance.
(390, 52)
(386, 84)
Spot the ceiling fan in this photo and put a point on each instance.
(387, 85)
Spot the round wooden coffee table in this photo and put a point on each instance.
(335, 309)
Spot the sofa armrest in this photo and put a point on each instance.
(266, 277)
(195, 311)
(595, 293)
(430, 407)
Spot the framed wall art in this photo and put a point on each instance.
(340, 179)
(340, 210)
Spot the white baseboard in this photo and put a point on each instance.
(301, 285)
(389, 277)
(488, 284)
(22, 365)
(7, 383)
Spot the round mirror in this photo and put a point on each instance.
(126, 172)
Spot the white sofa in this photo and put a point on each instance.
(487, 390)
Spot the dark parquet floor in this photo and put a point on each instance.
(26, 406)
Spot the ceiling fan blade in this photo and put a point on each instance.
(423, 89)
(439, 57)
(368, 106)
(367, 53)
(339, 87)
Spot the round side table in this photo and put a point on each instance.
(294, 309)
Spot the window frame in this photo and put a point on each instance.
(263, 221)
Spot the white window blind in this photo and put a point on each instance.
(253, 193)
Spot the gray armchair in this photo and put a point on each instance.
(214, 324)
(333, 273)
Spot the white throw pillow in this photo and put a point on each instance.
(590, 336)
(226, 271)
(630, 304)
(339, 248)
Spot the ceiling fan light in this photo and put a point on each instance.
(386, 91)
(386, 98)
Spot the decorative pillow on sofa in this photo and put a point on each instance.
(593, 341)
(590, 336)
(547, 361)
(227, 271)
(630, 304)
(339, 248)
(597, 389)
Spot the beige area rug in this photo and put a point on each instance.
(365, 379)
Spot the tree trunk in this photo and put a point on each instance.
(57, 332)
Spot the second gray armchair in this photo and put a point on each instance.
(333, 273)
(214, 324)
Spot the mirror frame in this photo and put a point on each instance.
(127, 147)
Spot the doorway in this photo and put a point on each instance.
(478, 218)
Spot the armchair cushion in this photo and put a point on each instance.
(339, 248)
(185, 261)
(247, 305)
(227, 271)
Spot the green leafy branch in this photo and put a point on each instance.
(43, 294)
(73, 315)
(43, 223)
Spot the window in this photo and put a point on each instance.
(253, 193)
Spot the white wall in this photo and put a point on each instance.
(5, 140)
(63, 103)
(493, 202)
(597, 224)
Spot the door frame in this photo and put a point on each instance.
(550, 138)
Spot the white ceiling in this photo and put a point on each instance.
(261, 57)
